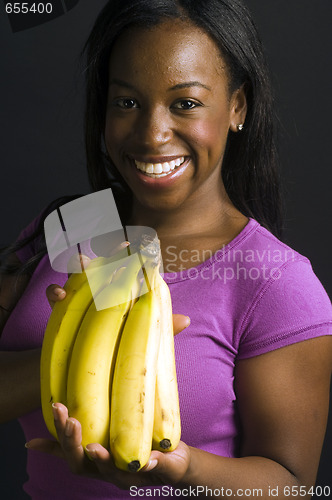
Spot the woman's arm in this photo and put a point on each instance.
(20, 383)
(283, 404)
(11, 289)
(19, 371)
(283, 401)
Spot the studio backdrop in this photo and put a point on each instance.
(42, 148)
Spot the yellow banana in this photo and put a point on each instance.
(59, 336)
(91, 365)
(134, 382)
(62, 328)
(167, 423)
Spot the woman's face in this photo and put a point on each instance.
(168, 116)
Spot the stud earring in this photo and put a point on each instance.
(240, 127)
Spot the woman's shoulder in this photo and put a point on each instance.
(259, 245)
(291, 305)
(290, 273)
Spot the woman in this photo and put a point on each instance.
(179, 123)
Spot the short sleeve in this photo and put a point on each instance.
(291, 307)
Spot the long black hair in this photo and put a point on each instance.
(36, 237)
(250, 166)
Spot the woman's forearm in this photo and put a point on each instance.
(20, 383)
(213, 476)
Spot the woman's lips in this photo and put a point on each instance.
(159, 169)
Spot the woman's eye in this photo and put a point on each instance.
(125, 103)
(186, 104)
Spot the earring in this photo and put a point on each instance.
(240, 127)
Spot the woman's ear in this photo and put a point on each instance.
(238, 109)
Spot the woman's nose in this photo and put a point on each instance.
(154, 127)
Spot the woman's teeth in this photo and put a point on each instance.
(159, 169)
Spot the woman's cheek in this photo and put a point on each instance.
(114, 134)
(209, 135)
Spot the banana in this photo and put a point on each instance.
(134, 382)
(111, 360)
(62, 328)
(167, 423)
(57, 344)
(91, 365)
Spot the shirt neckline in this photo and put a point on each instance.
(174, 277)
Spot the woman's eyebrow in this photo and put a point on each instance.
(178, 86)
(185, 85)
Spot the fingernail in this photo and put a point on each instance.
(124, 244)
(151, 465)
(27, 445)
(55, 411)
(59, 292)
(187, 321)
(84, 260)
(91, 453)
(69, 428)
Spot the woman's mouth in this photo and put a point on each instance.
(157, 170)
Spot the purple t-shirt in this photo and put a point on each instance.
(252, 296)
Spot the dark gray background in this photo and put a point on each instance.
(42, 152)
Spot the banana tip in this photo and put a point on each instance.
(134, 466)
(165, 444)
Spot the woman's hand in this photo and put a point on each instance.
(56, 293)
(162, 468)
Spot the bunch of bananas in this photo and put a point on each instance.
(113, 365)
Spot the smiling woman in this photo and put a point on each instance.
(250, 174)
(170, 111)
(179, 123)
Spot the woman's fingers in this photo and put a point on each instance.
(103, 461)
(70, 438)
(117, 249)
(180, 322)
(97, 462)
(77, 263)
(45, 446)
(54, 293)
(170, 467)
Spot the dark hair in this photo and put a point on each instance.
(36, 237)
(250, 166)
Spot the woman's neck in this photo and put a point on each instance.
(191, 229)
